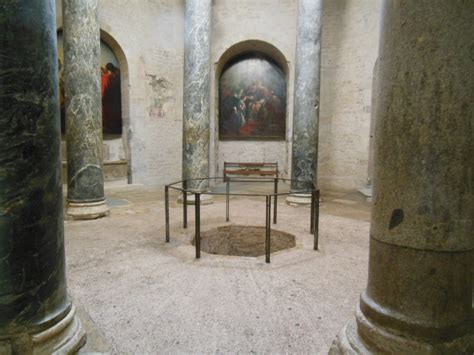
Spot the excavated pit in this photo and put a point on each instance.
(239, 240)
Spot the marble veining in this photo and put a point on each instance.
(83, 101)
(32, 265)
(196, 120)
(306, 94)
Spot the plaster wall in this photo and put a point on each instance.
(150, 36)
(349, 52)
(150, 33)
(268, 21)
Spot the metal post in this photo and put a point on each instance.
(167, 213)
(313, 197)
(227, 204)
(185, 204)
(197, 209)
(316, 221)
(275, 190)
(267, 228)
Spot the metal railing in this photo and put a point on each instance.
(314, 211)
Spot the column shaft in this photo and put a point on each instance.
(33, 295)
(418, 297)
(82, 89)
(196, 120)
(304, 156)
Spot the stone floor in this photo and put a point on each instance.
(138, 294)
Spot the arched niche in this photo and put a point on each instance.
(252, 45)
(115, 105)
(252, 86)
(124, 81)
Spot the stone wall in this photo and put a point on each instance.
(149, 38)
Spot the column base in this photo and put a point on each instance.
(205, 199)
(297, 200)
(361, 336)
(367, 192)
(90, 210)
(65, 337)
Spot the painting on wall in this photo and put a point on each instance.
(252, 100)
(110, 89)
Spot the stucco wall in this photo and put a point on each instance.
(349, 51)
(150, 36)
(150, 33)
(267, 21)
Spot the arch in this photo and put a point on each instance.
(124, 89)
(259, 116)
(252, 46)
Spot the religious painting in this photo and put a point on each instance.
(109, 72)
(252, 99)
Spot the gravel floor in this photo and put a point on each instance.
(146, 296)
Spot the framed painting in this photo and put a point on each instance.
(252, 99)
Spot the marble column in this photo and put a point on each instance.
(36, 315)
(82, 88)
(304, 153)
(197, 66)
(418, 297)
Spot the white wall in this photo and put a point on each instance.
(349, 52)
(150, 33)
(270, 21)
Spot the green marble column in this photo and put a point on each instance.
(36, 315)
(196, 96)
(85, 194)
(418, 298)
(304, 152)
(197, 70)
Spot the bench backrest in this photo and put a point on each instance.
(248, 169)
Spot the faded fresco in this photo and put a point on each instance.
(110, 89)
(161, 96)
(252, 100)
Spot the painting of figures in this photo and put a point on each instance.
(252, 99)
(109, 72)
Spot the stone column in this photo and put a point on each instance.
(82, 88)
(197, 69)
(36, 315)
(304, 153)
(418, 297)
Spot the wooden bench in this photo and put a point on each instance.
(249, 169)
(238, 172)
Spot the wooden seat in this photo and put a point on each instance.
(249, 169)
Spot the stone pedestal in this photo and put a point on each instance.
(304, 154)
(82, 87)
(297, 199)
(36, 315)
(419, 293)
(197, 66)
(87, 210)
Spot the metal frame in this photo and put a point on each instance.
(314, 214)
